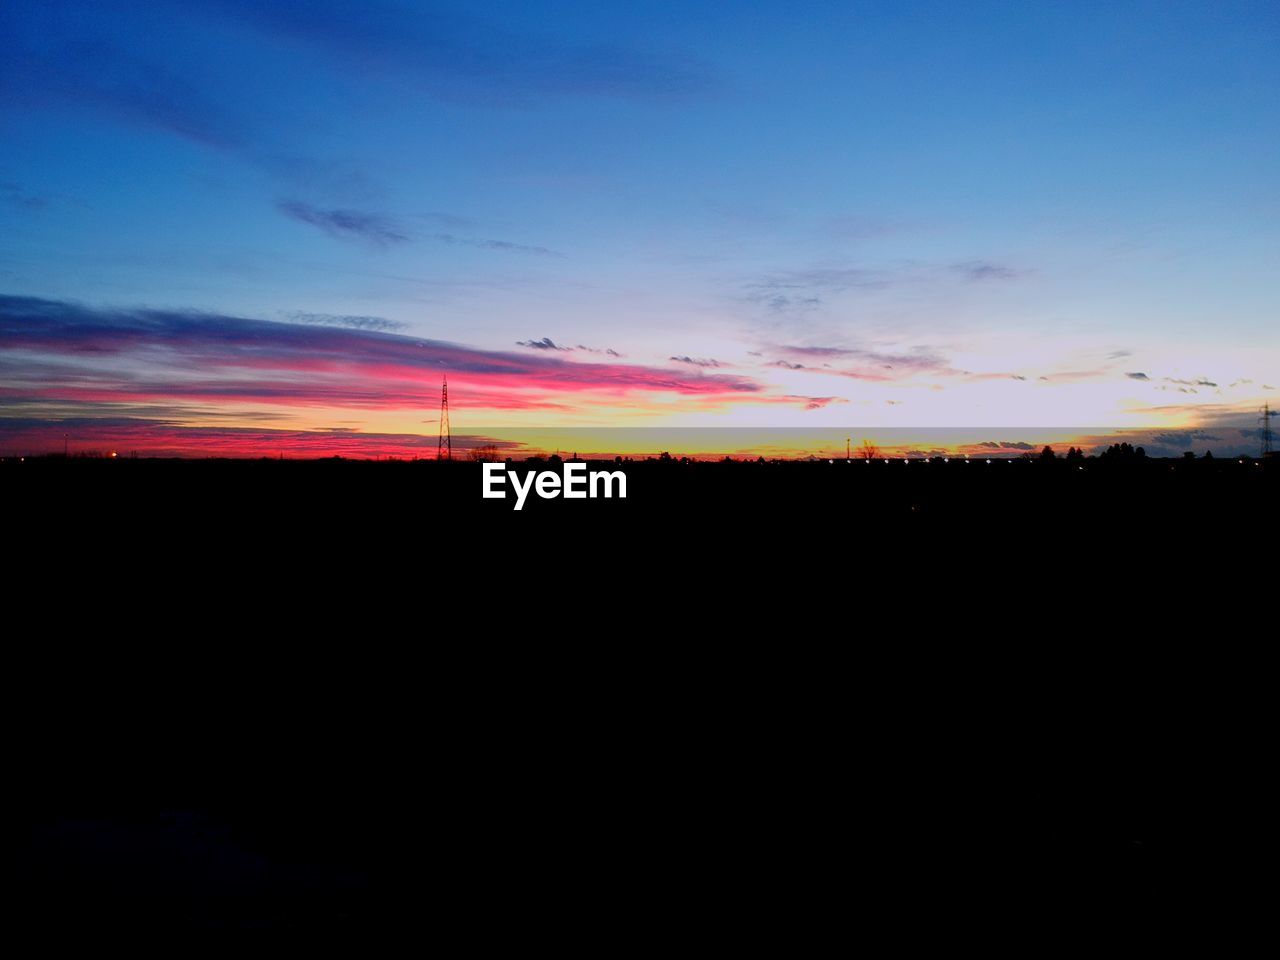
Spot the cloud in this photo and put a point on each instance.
(505, 246)
(1005, 445)
(1017, 377)
(1184, 438)
(383, 231)
(546, 343)
(979, 270)
(780, 303)
(345, 320)
(18, 196)
(817, 403)
(1201, 382)
(45, 67)
(1137, 376)
(373, 228)
(55, 352)
(800, 289)
(862, 363)
(1119, 354)
(696, 361)
(1075, 376)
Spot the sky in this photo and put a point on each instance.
(239, 227)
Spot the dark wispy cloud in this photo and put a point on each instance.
(1199, 382)
(347, 320)
(18, 196)
(373, 228)
(73, 56)
(859, 362)
(546, 343)
(456, 56)
(505, 246)
(380, 230)
(71, 71)
(804, 289)
(1137, 375)
(1006, 445)
(781, 303)
(697, 361)
(978, 270)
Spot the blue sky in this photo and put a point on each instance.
(1000, 197)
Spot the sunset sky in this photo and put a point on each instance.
(240, 227)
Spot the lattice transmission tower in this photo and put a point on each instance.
(444, 450)
(1266, 429)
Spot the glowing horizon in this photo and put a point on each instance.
(884, 220)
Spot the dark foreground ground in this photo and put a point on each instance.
(755, 703)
